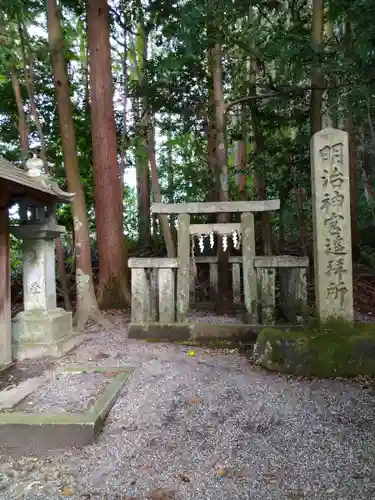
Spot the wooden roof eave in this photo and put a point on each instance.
(42, 183)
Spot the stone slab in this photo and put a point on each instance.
(196, 331)
(259, 261)
(57, 349)
(12, 397)
(152, 262)
(30, 433)
(215, 207)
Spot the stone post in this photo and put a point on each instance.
(42, 328)
(250, 286)
(5, 302)
(183, 272)
(236, 282)
(331, 222)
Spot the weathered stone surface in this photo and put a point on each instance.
(152, 262)
(322, 354)
(192, 331)
(11, 397)
(38, 333)
(215, 207)
(140, 308)
(293, 293)
(250, 287)
(153, 278)
(159, 331)
(192, 283)
(266, 294)
(167, 303)
(214, 280)
(183, 272)
(5, 294)
(236, 282)
(37, 325)
(39, 278)
(331, 221)
(30, 433)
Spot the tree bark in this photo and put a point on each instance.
(167, 233)
(29, 82)
(142, 150)
(257, 150)
(222, 183)
(87, 306)
(124, 129)
(350, 127)
(317, 77)
(21, 121)
(62, 273)
(113, 286)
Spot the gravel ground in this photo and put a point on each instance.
(65, 393)
(208, 427)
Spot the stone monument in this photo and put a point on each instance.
(331, 223)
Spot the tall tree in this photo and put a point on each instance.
(113, 286)
(87, 306)
(317, 77)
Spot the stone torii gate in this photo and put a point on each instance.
(41, 323)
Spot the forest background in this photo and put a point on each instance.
(129, 102)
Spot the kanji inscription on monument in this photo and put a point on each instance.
(331, 220)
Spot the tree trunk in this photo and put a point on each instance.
(317, 77)
(22, 127)
(142, 150)
(167, 233)
(113, 286)
(240, 155)
(221, 173)
(257, 150)
(87, 307)
(212, 194)
(367, 161)
(29, 81)
(350, 127)
(124, 129)
(62, 273)
(143, 176)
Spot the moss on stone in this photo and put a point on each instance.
(332, 349)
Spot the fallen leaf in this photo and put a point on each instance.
(67, 491)
(195, 401)
(330, 490)
(100, 355)
(221, 471)
(163, 494)
(184, 478)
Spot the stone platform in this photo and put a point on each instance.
(64, 408)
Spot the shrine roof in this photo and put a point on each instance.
(19, 178)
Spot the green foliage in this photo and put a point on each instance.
(176, 85)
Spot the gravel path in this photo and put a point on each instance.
(210, 427)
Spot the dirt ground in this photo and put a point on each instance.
(210, 426)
